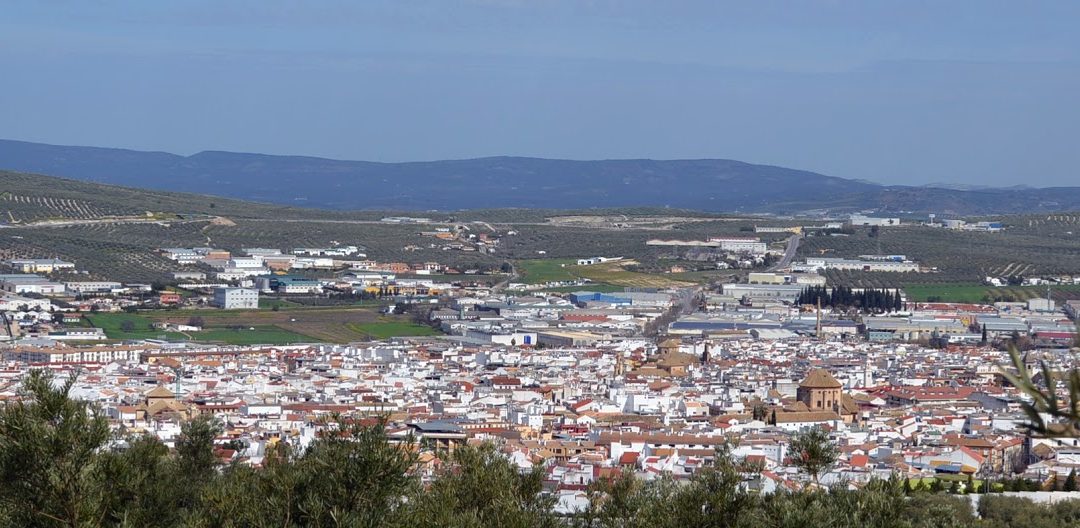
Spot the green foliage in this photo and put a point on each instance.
(937, 486)
(712, 497)
(939, 510)
(385, 329)
(351, 476)
(813, 452)
(480, 487)
(1064, 415)
(998, 510)
(48, 461)
(868, 300)
(144, 485)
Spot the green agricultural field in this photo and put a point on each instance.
(267, 303)
(255, 335)
(116, 327)
(977, 293)
(968, 293)
(140, 328)
(286, 309)
(596, 287)
(704, 276)
(606, 275)
(615, 273)
(539, 271)
(294, 324)
(387, 328)
(315, 323)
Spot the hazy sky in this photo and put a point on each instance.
(978, 92)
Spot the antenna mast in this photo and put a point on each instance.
(817, 333)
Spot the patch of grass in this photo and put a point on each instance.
(606, 275)
(312, 323)
(979, 293)
(387, 328)
(268, 303)
(180, 291)
(967, 293)
(261, 335)
(140, 328)
(130, 326)
(949, 479)
(615, 273)
(703, 276)
(539, 271)
(594, 286)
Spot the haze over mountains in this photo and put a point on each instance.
(497, 182)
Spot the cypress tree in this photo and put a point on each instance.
(937, 486)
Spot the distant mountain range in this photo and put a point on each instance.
(501, 182)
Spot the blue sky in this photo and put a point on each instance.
(978, 92)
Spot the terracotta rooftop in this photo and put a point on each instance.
(820, 379)
(159, 392)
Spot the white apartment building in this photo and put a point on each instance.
(236, 298)
(62, 354)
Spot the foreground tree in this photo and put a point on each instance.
(713, 497)
(48, 463)
(813, 453)
(143, 482)
(479, 487)
(351, 476)
(1063, 413)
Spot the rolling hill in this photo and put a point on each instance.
(112, 232)
(503, 182)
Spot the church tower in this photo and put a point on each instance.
(820, 391)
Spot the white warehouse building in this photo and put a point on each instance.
(752, 245)
(861, 265)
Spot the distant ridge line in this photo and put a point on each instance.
(714, 185)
